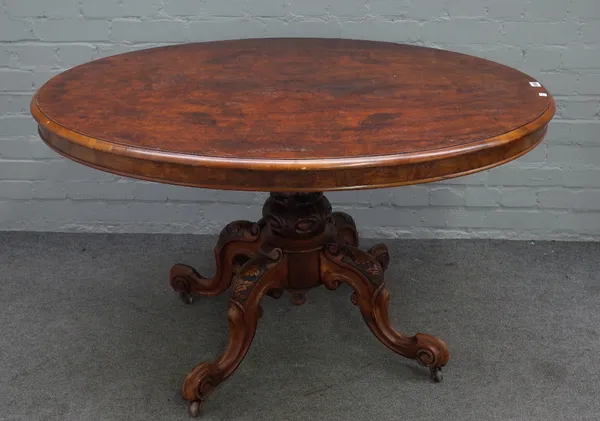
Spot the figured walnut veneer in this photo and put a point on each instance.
(292, 114)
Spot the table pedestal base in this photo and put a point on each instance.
(297, 245)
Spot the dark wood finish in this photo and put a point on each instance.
(238, 242)
(301, 245)
(252, 282)
(292, 114)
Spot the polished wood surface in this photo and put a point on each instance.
(294, 117)
(292, 114)
(298, 244)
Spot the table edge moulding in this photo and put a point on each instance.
(272, 174)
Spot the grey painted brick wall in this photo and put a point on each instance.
(551, 193)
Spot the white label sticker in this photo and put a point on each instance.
(536, 84)
(543, 94)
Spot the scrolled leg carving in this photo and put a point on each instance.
(346, 228)
(363, 272)
(299, 244)
(258, 277)
(428, 350)
(238, 242)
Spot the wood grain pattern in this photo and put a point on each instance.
(294, 117)
(292, 114)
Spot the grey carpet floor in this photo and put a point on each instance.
(90, 330)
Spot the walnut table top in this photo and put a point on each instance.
(292, 114)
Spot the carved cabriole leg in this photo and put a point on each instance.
(363, 272)
(238, 241)
(298, 245)
(255, 279)
(348, 234)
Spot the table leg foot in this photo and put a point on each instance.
(238, 242)
(194, 408)
(436, 374)
(364, 273)
(259, 276)
(298, 297)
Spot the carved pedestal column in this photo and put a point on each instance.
(299, 244)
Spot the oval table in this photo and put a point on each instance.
(294, 117)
